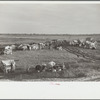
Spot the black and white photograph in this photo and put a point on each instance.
(49, 42)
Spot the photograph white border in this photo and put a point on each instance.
(49, 90)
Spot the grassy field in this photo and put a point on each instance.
(22, 38)
(77, 68)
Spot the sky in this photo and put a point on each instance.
(50, 18)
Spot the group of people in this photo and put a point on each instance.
(49, 67)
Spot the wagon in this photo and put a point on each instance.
(7, 66)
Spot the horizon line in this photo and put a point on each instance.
(49, 34)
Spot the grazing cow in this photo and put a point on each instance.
(29, 47)
(8, 65)
(60, 48)
(8, 47)
(20, 47)
(35, 46)
(71, 43)
(24, 47)
(81, 42)
(42, 45)
(13, 47)
(65, 43)
(48, 45)
(93, 45)
(55, 44)
(89, 39)
(87, 44)
(75, 42)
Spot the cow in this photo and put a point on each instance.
(71, 43)
(89, 39)
(91, 45)
(60, 48)
(20, 47)
(65, 43)
(81, 42)
(35, 46)
(29, 47)
(75, 42)
(48, 44)
(24, 47)
(42, 45)
(8, 65)
(13, 47)
(56, 43)
(8, 47)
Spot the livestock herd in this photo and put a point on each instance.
(89, 43)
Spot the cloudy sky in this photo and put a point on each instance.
(50, 18)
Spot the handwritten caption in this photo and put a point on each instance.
(52, 83)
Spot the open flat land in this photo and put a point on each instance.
(77, 68)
